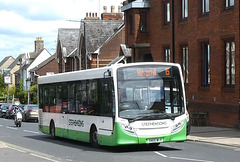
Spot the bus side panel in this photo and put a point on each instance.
(79, 127)
(59, 123)
(105, 131)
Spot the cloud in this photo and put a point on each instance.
(24, 20)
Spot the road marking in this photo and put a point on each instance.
(188, 159)
(12, 128)
(16, 149)
(43, 157)
(31, 131)
(180, 158)
(28, 151)
(1, 125)
(160, 154)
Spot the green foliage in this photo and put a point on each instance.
(33, 94)
(3, 87)
(12, 91)
(18, 92)
(23, 97)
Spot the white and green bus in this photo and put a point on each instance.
(123, 104)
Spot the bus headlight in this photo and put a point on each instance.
(178, 126)
(128, 128)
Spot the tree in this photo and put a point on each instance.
(20, 93)
(33, 94)
(3, 87)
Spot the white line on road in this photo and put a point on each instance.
(12, 128)
(16, 149)
(31, 131)
(160, 154)
(188, 159)
(43, 157)
(180, 158)
(1, 125)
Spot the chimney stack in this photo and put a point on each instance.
(39, 44)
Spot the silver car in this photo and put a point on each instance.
(30, 113)
(3, 110)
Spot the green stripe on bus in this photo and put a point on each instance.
(118, 137)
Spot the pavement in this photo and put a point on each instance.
(214, 135)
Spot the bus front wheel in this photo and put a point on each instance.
(94, 137)
(52, 130)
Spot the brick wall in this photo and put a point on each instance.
(110, 50)
(52, 66)
(221, 103)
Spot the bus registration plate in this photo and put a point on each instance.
(155, 140)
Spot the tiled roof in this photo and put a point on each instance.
(68, 38)
(98, 31)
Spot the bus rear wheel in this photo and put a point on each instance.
(94, 137)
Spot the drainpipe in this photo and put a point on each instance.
(239, 72)
(173, 33)
(85, 44)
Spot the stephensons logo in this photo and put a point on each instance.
(146, 124)
(73, 122)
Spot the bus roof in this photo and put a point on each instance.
(92, 73)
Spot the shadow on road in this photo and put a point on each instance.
(86, 146)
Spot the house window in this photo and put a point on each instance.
(230, 63)
(205, 64)
(167, 13)
(185, 63)
(229, 3)
(167, 55)
(184, 9)
(205, 7)
(143, 22)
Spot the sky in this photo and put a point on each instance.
(22, 21)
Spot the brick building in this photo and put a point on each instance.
(202, 36)
(95, 44)
(100, 39)
(47, 67)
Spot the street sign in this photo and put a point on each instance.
(7, 79)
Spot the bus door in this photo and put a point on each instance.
(62, 108)
(106, 106)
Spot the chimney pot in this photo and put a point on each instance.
(119, 9)
(104, 9)
(112, 9)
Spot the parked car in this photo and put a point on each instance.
(3, 109)
(30, 112)
(10, 111)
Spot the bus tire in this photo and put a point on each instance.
(52, 130)
(94, 137)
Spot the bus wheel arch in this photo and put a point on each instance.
(94, 136)
(52, 129)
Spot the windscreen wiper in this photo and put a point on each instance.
(138, 118)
